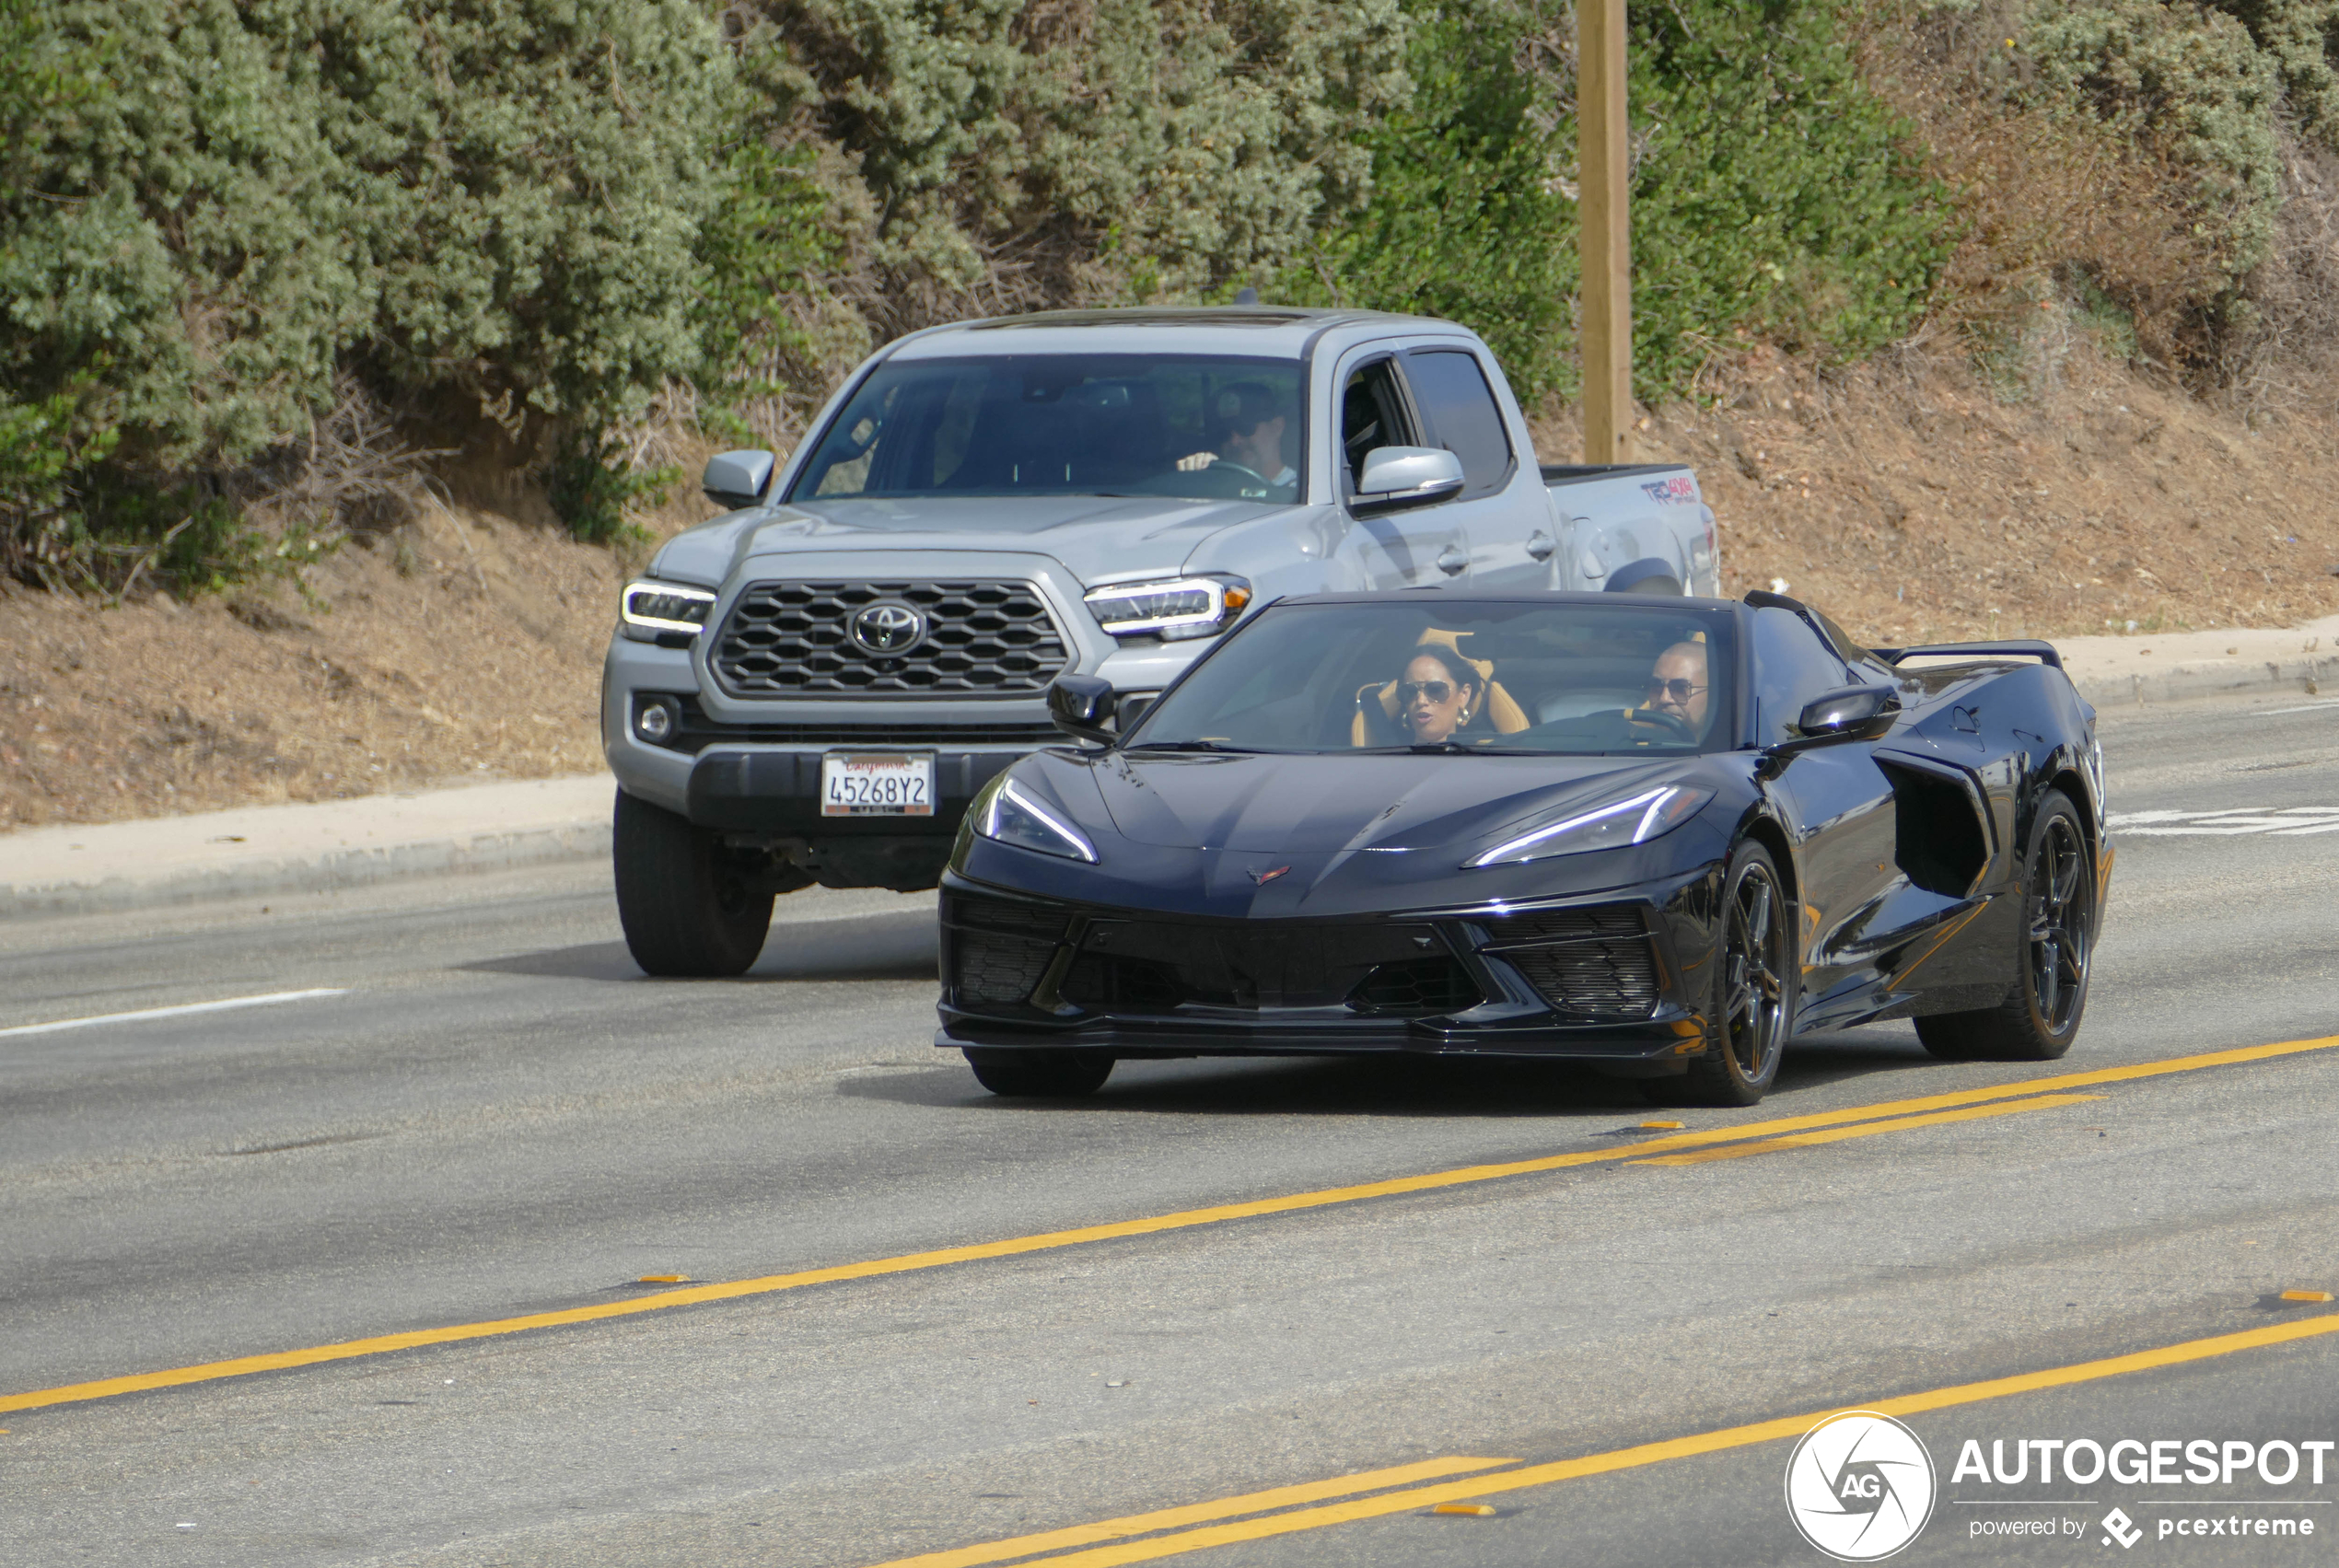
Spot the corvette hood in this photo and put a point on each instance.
(1325, 804)
(1282, 837)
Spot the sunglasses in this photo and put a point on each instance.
(1436, 690)
(1679, 690)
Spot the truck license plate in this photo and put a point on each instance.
(853, 786)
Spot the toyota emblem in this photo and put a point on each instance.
(888, 628)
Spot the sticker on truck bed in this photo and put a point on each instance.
(881, 786)
(1671, 492)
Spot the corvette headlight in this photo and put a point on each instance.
(650, 610)
(1633, 821)
(1013, 817)
(1173, 608)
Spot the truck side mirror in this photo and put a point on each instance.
(1397, 477)
(737, 478)
(1082, 705)
(1856, 713)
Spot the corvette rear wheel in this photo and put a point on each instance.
(1754, 1004)
(2040, 1017)
(1038, 1074)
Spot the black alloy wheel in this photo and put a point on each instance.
(1755, 990)
(2048, 993)
(1038, 1074)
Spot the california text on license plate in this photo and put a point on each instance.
(877, 787)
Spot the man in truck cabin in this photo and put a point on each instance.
(1251, 426)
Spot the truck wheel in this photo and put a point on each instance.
(688, 906)
(2040, 1017)
(1039, 1074)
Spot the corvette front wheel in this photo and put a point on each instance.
(1756, 988)
(1038, 1074)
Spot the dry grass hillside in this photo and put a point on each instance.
(465, 645)
(1904, 497)
(1915, 505)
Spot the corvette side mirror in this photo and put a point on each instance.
(1082, 705)
(1856, 713)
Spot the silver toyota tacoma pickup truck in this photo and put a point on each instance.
(811, 688)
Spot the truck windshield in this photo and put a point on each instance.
(1065, 424)
(1487, 677)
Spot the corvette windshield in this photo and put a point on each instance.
(1204, 428)
(1408, 674)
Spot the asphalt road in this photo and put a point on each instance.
(493, 1115)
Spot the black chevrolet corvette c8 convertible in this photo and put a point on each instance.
(1660, 835)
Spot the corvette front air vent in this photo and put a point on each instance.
(999, 949)
(1595, 964)
(1417, 989)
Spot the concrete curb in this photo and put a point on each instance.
(351, 868)
(320, 847)
(2306, 676)
(2163, 666)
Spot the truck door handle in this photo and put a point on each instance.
(1452, 559)
(1540, 545)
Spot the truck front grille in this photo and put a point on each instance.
(798, 639)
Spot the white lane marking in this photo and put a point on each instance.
(2301, 708)
(144, 1015)
(2284, 822)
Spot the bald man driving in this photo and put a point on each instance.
(1677, 685)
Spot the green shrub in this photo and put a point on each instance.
(488, 203)
(590, 485)
(2301, 39)
(1776, 192)
(1771, 192)
(1466, 219)
(1007, 156)
(2185, 82)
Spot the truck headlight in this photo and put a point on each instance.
(651, 611)
(1172, 609)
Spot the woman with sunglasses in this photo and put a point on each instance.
(1439, 693)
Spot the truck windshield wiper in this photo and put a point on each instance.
(1189, 745)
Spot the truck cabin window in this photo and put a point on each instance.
(1206, 428)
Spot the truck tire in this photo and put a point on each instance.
(688, 907)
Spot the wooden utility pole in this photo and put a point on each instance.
(1603, 160)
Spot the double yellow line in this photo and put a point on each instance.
(1109, 1544)
(1747, 1138)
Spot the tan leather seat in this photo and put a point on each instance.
(1500, 710)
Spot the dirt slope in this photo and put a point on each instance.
(1905, 498)
(1913, 504)
(467, 646)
